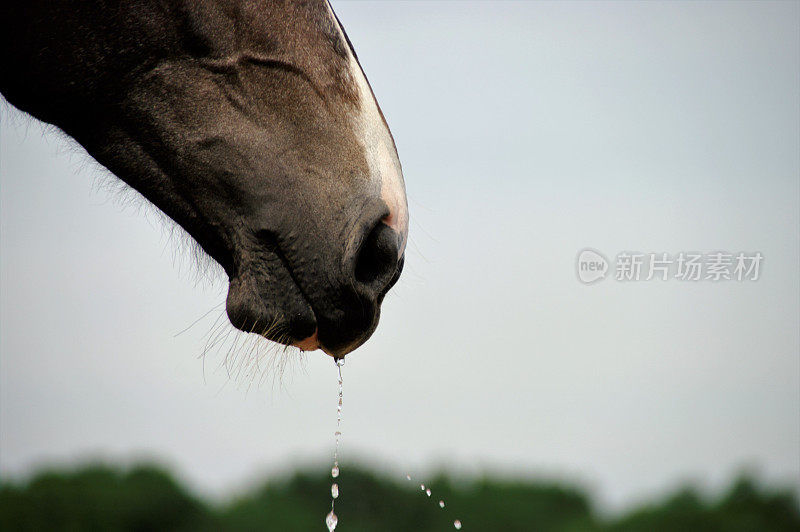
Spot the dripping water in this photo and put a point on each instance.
(331, 520)
(427, 490)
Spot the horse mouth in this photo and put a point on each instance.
(295, 294)
(266, 297)
(309, 343)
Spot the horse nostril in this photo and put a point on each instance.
(377, 258)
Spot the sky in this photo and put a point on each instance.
(528, 131)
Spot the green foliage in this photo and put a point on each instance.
(101, 498)
(148, 498)
(744, 508)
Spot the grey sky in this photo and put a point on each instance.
(527, 132)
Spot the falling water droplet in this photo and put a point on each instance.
(422, 487)
(428, 492)
(456, 524)
(408, 477)
(331, 520)
(441, 504)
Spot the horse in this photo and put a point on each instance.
(250, 124)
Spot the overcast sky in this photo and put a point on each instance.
(527, 132)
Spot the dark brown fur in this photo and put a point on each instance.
(233, 118)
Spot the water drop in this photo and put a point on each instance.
(408, 477)
(441, 504)
(428, 492)
(422, 487)
(456, 524)
(331, 520)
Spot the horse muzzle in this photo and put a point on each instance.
(303, 293)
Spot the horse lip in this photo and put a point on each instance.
(311, 343)
(271, 243)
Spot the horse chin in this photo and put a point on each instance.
(277, 311)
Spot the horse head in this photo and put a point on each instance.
(250, 124)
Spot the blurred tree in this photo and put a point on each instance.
(101, 498)
(148, 498)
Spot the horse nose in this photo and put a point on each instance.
(372, 263)
(377, 260)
